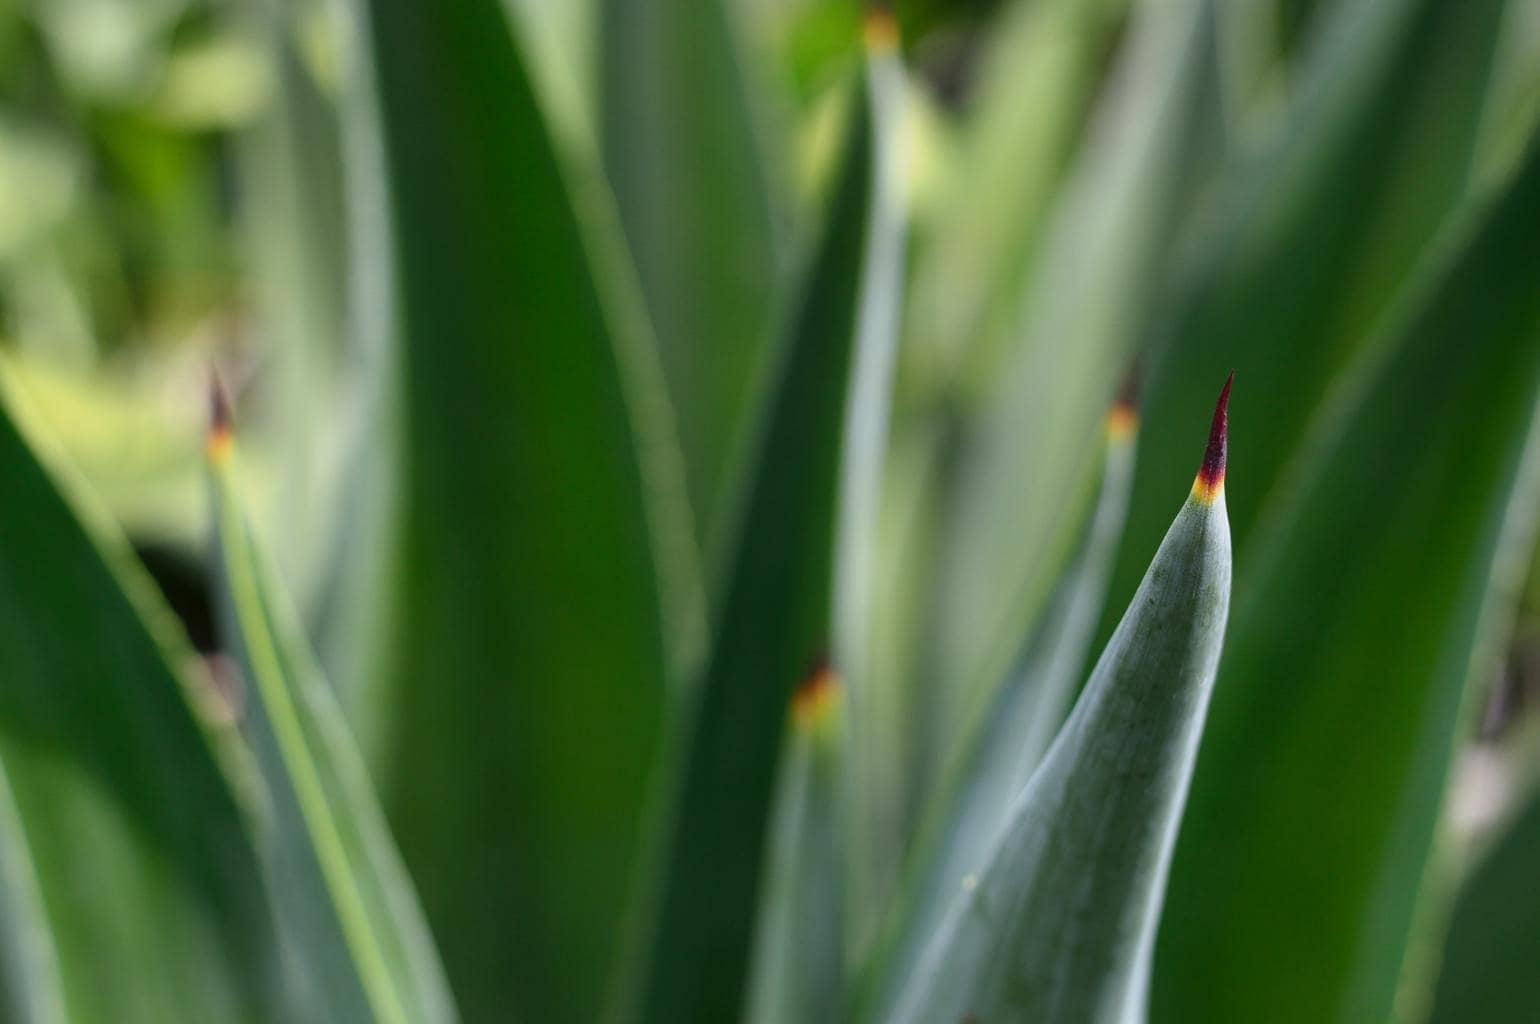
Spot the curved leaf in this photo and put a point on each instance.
(1316, 796)
(798, 975)
(694, 192)
(343, 897)
(144, 872)
(523, 661)
(1029, 459)
(1059, 922)
(774, 622)
(863, 456)
(1007, 742)
(1320, 232)
(1037, 78)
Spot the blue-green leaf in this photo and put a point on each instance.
(345, 905)
(774, 622)
(1058, 921)
(125, 843)
(1339, 701)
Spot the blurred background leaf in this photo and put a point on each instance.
(773, 628)
(1058, 919)
(134, 863)
(1024, 451)
(1317, 235)
(685, 151)
(356, 934)
(506, 291)
(1486, 968)
(798, 968)
(1006, 742)
(522, 691)
(1340, 697)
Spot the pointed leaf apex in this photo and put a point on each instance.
(814, 700)
(1211, 475)
(220, 437)
(1123, 417)
(879, 28)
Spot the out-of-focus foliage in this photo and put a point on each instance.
(681, 436)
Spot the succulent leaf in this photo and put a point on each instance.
(343, 899)
(1058, 921)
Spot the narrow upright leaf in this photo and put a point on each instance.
(1005, 744)
(1029, 458)
(119, 804)
(1059, 922)
(290, 169)
(683, 152)
(799, 945)
(345, 904)
(864, 450)
(1038, 75)
(773, 623)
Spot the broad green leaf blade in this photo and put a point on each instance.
(1315, 799)
(145, 875)
(344, 901)
(1005, 744)
(798, 971)
(523, 663)
(1058, 923)
(1030, 458)
(773, 623)
(1488, 973)
(682, 150)
(1319, 234)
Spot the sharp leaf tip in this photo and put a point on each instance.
(815, 696)
(221, 419)
(1211, 475)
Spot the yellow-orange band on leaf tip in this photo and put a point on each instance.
(1210, 483)
(218, 445)
(814, 703)
(1206, 490)
(879, 30)
(1122, 421)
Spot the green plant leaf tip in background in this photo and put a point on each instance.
(799, 945)
(1058, 923)
(342, 898)
(1014, 730)
(1339, 705)
(774, 622)
(151, 898)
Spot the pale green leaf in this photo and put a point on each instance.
(1057, 921)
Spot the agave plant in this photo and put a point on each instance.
(710, 567)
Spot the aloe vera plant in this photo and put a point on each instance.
(684, 544)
